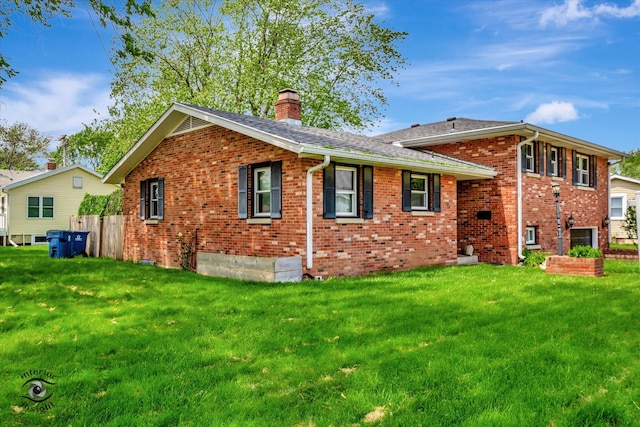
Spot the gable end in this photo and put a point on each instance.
(189, 124)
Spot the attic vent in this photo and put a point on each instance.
(450, 119)
(191, 123)
(415, 125)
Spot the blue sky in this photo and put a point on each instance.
(572, 66)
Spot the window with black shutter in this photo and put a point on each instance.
(341, 191)
(152, 199)
(420, 192)
(263, 182)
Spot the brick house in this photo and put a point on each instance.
(516, 209)
(316, 201)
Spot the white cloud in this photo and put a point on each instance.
(573, 10)
(553, 112)
(58, 104)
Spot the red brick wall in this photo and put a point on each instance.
(200, 172)
(575, 266)
(495, 240)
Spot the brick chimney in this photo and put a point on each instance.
(288, 107)
(50, 165)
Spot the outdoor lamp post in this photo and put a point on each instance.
(555, 189)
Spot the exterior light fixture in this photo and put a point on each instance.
(570, 221)
(555, 189)
(605, 222)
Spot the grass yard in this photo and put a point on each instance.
(129, 345)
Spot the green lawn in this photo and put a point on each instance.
(125, 344)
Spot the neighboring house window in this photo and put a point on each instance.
(152, 198)
(532, 157)
(39, 207)
(420, 192)
(341, 187)
(584, 170)
(264, 183)
(530, 235)
(77, 182)
(618, 206)
(556, 161)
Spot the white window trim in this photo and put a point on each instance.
(153, 213)
(528, 241)
(555, 164)
(353, 193)
(529, 156)
(41, 207)
(624, 206)
(582, 172)
(256, 213)
(425, 178)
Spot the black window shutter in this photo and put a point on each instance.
(367, 192)
(242, 191)
(160, 198)
(143, 199)
(574, 168)
(594, 174)
(523, 158)
(406, 191)
(549, 159)
(329, 189)
(540, 151)
(276, 189)
(436, 192)
(564, 162)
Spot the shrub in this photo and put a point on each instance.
(111, 204)
(533, 258)
(584, 252)
(630, 224)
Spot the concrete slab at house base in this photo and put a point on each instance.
(277, 269)
(467, 259)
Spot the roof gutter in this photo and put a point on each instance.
(471, 172)
(310, 172)
(519, 188)
(556, 138)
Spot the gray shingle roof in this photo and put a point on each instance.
(8, 177)
(455, 124)
(326, 138)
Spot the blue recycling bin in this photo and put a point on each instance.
(78, 241)
(59, 243)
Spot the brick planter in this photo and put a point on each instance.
(575, 266)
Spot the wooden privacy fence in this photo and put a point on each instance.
(106, 235)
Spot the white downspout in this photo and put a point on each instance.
(324, 164)
(519, 188)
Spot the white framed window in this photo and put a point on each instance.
(531, 233)
(77, 182)
(39, 207)
(346, 191)
(262, 191)
(618, 206)
(582, 168)
(529, 157)
(554, 170)
(153, 199)
(419, 192)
